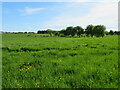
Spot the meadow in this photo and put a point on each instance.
(34, 61)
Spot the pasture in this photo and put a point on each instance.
(59, 62)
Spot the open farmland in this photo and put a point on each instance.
(32, 61)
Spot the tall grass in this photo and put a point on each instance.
(59, 62)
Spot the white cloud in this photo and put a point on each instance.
(29, 11)
(102, 13)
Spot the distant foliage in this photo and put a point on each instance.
(42, 32)
(111, 32)
(99, 30)
(77, 31)
(90, 30)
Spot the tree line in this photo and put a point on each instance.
(90, 30)
(18, 32)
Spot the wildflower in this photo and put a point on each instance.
(19, 85)
(25, 68)
(61, 78)
(37, 84)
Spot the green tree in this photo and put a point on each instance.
(73, 32)
(79, 30)
(111, 32)
(106, 32)
(56, 33)
(70, 31)
(116, 32)
(89, 30)
(99, 30)
(50, 31)
(63, 32)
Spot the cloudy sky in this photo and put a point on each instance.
(33, 16)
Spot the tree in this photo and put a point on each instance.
(106, 32)
(70, 31)
(117, 32)
(79, 30)
(63, 31)
(56, 33)
(42, 32)
(31, 32)
(111, 32)
(89, 30)
(99, 30)
(50, 31)
(73, 32)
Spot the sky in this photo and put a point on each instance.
(34, 16)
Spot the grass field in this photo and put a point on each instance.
(59, 62)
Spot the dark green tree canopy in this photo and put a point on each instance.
(79, 30)
(111, 32)
(89, 30)
(99, 30)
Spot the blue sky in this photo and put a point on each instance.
(33, 16)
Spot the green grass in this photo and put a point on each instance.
(59, 62)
